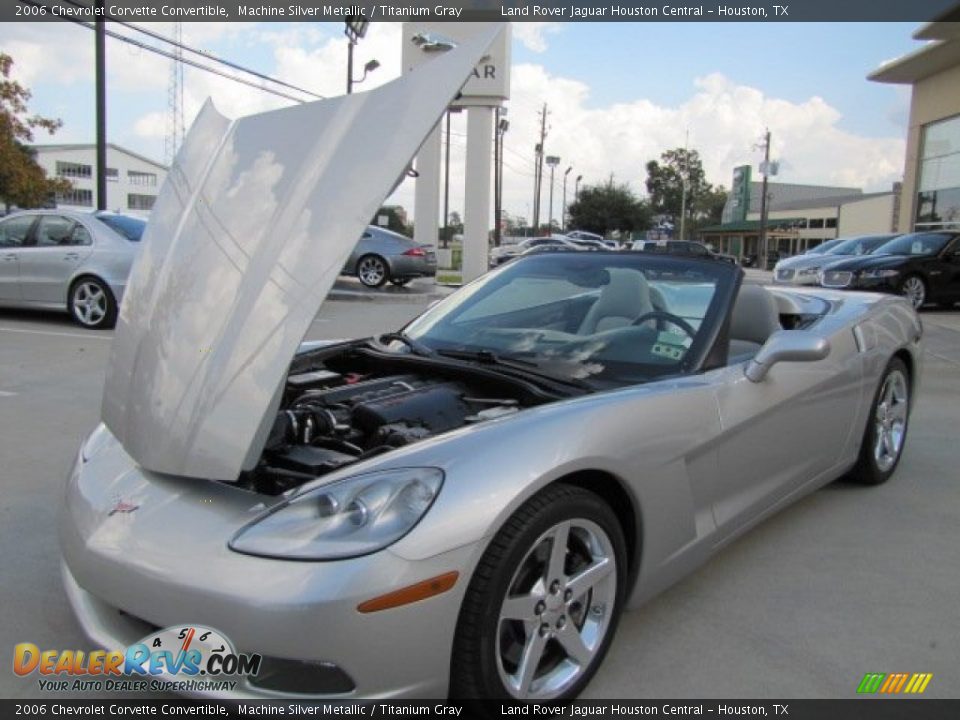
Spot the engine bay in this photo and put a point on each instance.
(330, 418)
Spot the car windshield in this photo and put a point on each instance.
(915, 244)
(602, 318)
(859, 245)
(823, 247)
(129, 227)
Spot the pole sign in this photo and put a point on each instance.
(739, 203)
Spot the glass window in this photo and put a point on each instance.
(938, 208)
(13, 231)
(80, 198)
(830, 223)
(74, 170)
(140, 202)
(816, 223)
(942, 138)
(135, 177)
(938, 185)
(54, 230)
(915, 244)
(81, 236)
(113, 175)
(130, 227)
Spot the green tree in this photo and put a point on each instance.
(608, 207)
(395, 221)
(707, 209)
(22, 181)
(666, 178)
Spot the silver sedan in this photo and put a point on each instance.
(67, 260)
(384, 256)
(464, 506)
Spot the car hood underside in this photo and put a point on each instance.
(250, 230)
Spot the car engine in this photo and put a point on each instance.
(329, 420)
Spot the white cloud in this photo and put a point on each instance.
(533, 35)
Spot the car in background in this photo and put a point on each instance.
(687, 248)
(577, 235)
(805, 269)
(68, 260)
(384, 256)
(823, 247)
(505, 253)
(923, 267)
(588, 243)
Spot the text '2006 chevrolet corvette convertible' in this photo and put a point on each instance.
(493, 484)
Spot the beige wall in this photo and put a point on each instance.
(865, 217)
(934, 98)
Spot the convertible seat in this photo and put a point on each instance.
(625, 298)
(755, 318)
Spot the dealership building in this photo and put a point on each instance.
(931, 180)
(800, 217)
(132, 180)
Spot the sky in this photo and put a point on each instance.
(619, 94)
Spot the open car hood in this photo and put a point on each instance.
(250, 230)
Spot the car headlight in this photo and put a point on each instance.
(347, 518)
(879, 273)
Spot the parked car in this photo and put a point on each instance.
(681, 247)
(490, 486)
(923, 267)
(805, 269)
(823, 247)
(584, 235)
(67, 260)
(384, 256)
(505, 253)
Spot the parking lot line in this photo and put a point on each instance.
(60, 334)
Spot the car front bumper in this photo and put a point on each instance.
(166, 563)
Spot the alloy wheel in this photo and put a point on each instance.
(915, 291)
(890, 420)
(372, 271)
(557, 610)
(89, 303)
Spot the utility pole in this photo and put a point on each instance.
(446, 187)
(576, 188)
(762, 239)
(685, 180)
(552, 161)
(538, 172)
(563, 217)
(501, 127)
(101, 73)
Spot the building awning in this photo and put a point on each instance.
(750, 226)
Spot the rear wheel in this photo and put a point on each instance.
(886, 430)
(91, 304)
(914, 289)
(544, 602)
(372, 271)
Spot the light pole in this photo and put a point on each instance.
(370, 66)
(576, 188)
(563, 217)
(552, 161)
(501, 128)
(355, 27)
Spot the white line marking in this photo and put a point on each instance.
(4, 393)
(91, 336)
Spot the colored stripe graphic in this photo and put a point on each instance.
(894, 683)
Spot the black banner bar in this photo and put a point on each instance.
(485, 10)
(856, 709)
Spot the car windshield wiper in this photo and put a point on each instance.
(488, 357)
(416, 347)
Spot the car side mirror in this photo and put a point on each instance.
(786, 346)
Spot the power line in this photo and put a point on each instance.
(173, 56)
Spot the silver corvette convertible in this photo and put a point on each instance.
(465, 506)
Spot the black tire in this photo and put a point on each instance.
(869, 469)
(372, 271)
(91, 303)
(475, 664)
(916, 298)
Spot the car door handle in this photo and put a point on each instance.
(72, 256)
(10, 257)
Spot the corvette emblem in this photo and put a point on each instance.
(122, 507)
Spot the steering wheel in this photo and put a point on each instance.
(669, 317)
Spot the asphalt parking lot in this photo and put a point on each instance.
(849, 580)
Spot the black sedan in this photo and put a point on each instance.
(923, 267)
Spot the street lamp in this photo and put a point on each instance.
(367, 69)
(501, 127)
(552, 161)
(563, 217)
(355, 27)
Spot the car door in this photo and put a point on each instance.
(945, 273)
(783, 431)
(47, 263)
(14, 233)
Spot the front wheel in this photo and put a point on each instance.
(91, 304)
(372, 271)
(914, 289)
(886, 430)
(544, 601)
